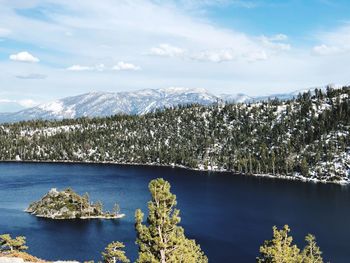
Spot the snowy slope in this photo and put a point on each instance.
(99, 104)
(236, 98)
(105, 104)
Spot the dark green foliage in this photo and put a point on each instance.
(67, 204)
(305, 135)
(161, 239)
(280, 249)
(13, 244)
(115, 253)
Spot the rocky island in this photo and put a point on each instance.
(67, 204)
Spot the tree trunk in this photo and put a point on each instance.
(162, 256)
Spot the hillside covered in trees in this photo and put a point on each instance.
(307, 137)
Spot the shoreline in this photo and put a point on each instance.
(103, 217)
(109, 217)
(271, 176)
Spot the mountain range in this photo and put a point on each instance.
(100, 104)
(306, 138)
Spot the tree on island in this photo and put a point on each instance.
(161, 239)
(116, 208)
(13, 244)
(99, 207)
(281, 250)
(86, 197)
(115, 253)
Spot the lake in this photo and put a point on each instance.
(229, 215)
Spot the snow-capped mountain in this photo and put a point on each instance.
(311, 133)
(235, 98)
(99, 104)
(105, 104)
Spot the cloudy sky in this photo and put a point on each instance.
(55, 48)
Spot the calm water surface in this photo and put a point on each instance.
(229, 215)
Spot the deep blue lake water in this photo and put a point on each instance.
(229, 215)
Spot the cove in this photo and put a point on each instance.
(229, 215)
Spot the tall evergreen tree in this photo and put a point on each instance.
(311, 253)
(161, 239)
(114, 253)
(280, 249)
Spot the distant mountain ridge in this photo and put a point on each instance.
(307, 138)
(101, 104)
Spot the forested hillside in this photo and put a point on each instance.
(306, 137)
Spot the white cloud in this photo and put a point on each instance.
(274, 43)
(224, 55)
(166, 50)
(5, 101)
(100, 67)
(27, 103)
(98, 36)
(278, 37)
(195, 4)
(4, 32)
(257, 56)
(248, 50)
(24, 56)
(215, 55)
(325, 50)
(139, 24)
(126, 66)
(32, 76)
(248, 54)
(333, 42)
(79, 68)
(24, 102)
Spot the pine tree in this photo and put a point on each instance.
(162, 240)
(13, 244)
(114, 253)
(280, 249)
(98, 207)
(311, 253)
(304, 167)
(116, 208)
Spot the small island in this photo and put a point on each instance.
(67, 204)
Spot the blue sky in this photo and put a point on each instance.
(295, 18)
(55, 48)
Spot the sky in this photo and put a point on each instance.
(51, 49)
